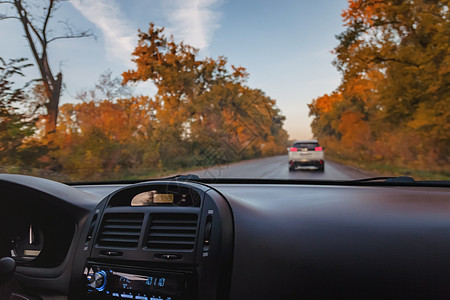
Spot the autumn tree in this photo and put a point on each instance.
(204, 101)
(394, 58)
(35, 19)
(202, 114)
(104, 139)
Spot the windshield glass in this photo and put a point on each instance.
(95, 90)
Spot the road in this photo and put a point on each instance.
(276, 167)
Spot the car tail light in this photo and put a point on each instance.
(293, 149)
(318, 149)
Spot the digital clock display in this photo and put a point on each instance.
(156, 282)
(150, 198)
(163, 198)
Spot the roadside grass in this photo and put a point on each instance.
(90, 175)
(155, 174)
(378, 169)
(141, 174)
(390, 170)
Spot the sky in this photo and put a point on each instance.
(284, 45)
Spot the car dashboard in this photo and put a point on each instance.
(224, 239)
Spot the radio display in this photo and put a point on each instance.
(153, 282)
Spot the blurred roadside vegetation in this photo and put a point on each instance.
(203, 114)
(383, 169)
(391, 112)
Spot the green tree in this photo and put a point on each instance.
(16, 122)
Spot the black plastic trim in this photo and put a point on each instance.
(358, 182)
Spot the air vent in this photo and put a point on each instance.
(120, 230)
(172, 231)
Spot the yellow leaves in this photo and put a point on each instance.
(364, 88)
(423, 118)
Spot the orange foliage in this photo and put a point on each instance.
(362, 11)
(361, 87)
(324, 104)
(119, 120)
(393, 98)
(355, 132)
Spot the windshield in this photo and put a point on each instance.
(99, 90)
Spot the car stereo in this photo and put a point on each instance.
(112, 282)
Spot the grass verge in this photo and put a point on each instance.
(390, 170)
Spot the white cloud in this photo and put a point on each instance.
(193, 21)
(120, 38)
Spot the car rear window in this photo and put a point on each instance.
(309, 146)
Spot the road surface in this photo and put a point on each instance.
(276, 167)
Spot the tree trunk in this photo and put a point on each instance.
(52, 106)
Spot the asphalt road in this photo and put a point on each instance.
(276, 167)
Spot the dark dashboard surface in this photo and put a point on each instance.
(248, 241)
(347, 241)
(338, 240)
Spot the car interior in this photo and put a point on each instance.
(189, 238)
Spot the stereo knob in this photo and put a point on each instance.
(98, 280)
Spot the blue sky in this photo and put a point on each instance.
(285, 45)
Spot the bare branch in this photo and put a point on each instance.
(379, 59)
(36, 32)
(23, 17)
(25, 22)
(47, 18)
(6, 2)
(70, 31)
(83, 34)
(8, 17)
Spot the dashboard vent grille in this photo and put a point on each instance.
(120, 230)
(172, 231)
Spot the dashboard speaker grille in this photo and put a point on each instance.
(120, 230)
(174, 231)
